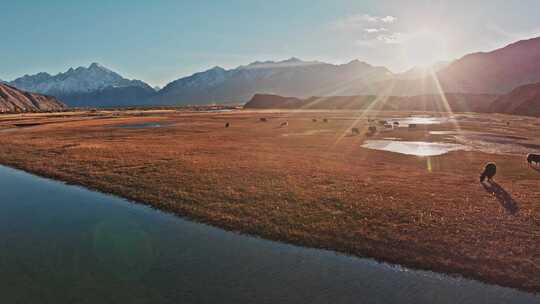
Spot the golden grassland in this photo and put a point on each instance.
(309, 183)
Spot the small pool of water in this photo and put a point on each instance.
(418, 148)
(142, 125)
(419, 120)
(492, 143)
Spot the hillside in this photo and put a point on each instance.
(524, 100)
(14, 100)
(452, 102)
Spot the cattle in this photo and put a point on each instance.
(284, 124)
(314, 120)
(325, 120)
(263, 119)
(412, 126)
(227, 125)
(372, 129)
(489, 172)
(355, 131)
(533, 158)
(396, 123)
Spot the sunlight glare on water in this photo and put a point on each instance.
(418, 148)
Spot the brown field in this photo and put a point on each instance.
(306, 183)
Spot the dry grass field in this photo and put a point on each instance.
(308, 183)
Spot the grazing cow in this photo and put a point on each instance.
(412, 126)
(263, 119)
(227, 125)
(325, 120)
(388, 126)
(533, 158)
(314, 120)
(284, 124)
(489, 172)
(396, 123)
(355, 131)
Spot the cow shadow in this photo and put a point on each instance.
(504, 198)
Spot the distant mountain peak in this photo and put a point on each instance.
(217, 68)
(292, 60)
(77, 81)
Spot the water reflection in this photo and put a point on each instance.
(418, 148)
(420, 120)
(66, 244)
(142, 125)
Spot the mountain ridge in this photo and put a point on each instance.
(82, 86)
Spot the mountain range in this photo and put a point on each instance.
(496, 72)
(92, 86)
(292, 77)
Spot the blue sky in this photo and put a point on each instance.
(159, 41)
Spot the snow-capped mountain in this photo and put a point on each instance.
(91, 86)
(291, 77)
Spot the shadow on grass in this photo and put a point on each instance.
(504, 198)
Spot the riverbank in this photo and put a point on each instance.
(309, 183)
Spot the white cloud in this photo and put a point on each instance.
(375, 30)
(369, 30)
(392, 38)
(388, 19)
(361, 21)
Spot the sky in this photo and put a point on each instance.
(160, 41)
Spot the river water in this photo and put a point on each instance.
(66, 244)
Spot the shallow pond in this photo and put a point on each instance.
(419, 120)
(142, 125)
(66, 244)
(418, 148)
(492, 142)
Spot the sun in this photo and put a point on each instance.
(424, 48)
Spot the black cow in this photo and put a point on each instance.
(227, 125)
(533, 158)
(489, 172)
(355, 131)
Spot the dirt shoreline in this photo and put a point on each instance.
(305, 190)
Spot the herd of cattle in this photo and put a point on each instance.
(489, 170)
(372, 129)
